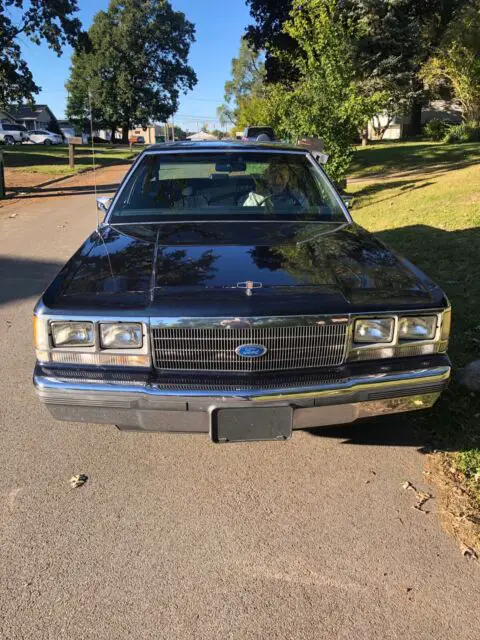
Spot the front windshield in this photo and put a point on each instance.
(234, 185)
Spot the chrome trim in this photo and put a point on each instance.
(375, 382)
(219, 322)
(305, 152)
(333, 191)
(48, 318)
(215, 349)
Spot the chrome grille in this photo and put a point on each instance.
(213, 349)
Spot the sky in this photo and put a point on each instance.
(219, 27)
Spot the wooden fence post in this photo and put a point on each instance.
(74, 140)
(2, 176)
(71, 156)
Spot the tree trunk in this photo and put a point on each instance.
(416, 118)
(364, 135)
(114, 131)
(125, 129)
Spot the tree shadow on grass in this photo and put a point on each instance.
(25, 157)
(452, 260)
(423, 158)
(404, 186)
(61, 191)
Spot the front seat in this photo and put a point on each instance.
(190, 200)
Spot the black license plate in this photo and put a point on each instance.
(251, 423)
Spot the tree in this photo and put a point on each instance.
(136, 65)
(394, 38)
(247, 78)
(325, 101)
(219, 134)
(50, 21)
(268, 34)
(457, 62)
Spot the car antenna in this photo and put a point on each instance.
(93, 155)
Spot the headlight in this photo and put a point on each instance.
(121, 335)
(72, 334)
(374, 330)
(422, 328)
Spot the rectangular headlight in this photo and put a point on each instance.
(421, 328)
(72, 334)
(121, 335)
(374, 330)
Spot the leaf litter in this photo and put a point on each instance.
(78, 481)
(421, 496)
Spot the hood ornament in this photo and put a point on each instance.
(249, 285)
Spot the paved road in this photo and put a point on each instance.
(173, 537)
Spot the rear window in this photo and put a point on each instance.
(235, 186)
(254, 132)
(14, 127)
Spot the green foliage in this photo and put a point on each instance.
(247, 81)
(218, 133)
(435, 129)
(50, 21)
(465, 132)
(136, 65)
(325, 101)
(469, 462)
(456, 61)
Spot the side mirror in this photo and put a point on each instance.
(103, 203)
(320, 157)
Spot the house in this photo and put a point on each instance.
(6, 117)
(152, 133)
(399, 126)
(38, 116)
(67, 128)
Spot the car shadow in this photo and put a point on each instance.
(23, 278)
(396, 430)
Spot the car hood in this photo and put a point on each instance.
(200, 269)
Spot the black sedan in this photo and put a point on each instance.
(228, 291)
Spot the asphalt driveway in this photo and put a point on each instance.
(174, 537)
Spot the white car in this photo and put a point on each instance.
(42, 136)
(12, 133)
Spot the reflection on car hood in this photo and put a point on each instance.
(296, 268)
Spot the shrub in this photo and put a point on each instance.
(435, 129)
(465, 132)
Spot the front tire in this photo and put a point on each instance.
(10, 140)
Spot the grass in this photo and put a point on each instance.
(401, 157)
(53, 160)
(432, 217)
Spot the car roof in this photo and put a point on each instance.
(220, 145)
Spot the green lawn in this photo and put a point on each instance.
(401, 157)
(432, 217)
(53, 160)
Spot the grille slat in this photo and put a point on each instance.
(213, 349)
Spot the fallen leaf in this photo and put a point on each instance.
(468, 552)
(78, 481)
(13, 215)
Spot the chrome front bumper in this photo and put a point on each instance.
(150, 406)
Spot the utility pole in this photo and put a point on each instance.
(173, 129)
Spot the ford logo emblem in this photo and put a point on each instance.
(251, 350)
